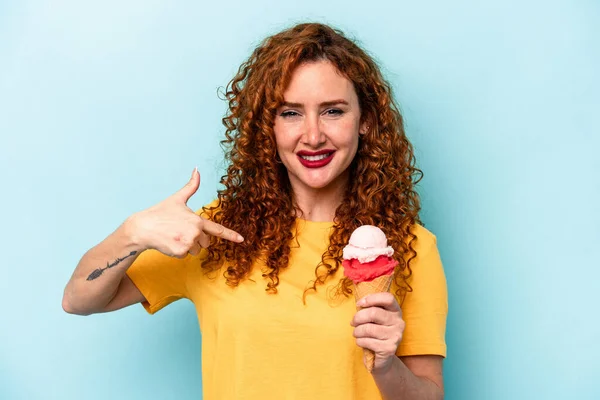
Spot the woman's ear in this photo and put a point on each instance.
(364, 128)
(365, 124)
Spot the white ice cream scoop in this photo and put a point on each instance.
(366, 243)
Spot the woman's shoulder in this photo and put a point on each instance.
(425, 239)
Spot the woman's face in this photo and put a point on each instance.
(317, 128)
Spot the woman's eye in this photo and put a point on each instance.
(334, 111)
(287, 114)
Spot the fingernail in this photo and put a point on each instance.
(240, 238)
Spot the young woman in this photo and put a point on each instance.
(316, 148)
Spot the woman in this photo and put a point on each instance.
(316, 147)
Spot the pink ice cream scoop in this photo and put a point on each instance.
(367, 255)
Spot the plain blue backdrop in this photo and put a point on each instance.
(107, 106)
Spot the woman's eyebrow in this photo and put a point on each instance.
(323, 104)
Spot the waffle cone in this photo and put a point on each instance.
(362, 289)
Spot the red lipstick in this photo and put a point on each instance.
(319, 162)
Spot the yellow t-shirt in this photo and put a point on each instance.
(257, 345)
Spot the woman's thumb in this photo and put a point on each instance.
(190, 188)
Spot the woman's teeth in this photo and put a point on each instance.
(316, 158)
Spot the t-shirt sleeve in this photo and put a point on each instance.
(425, 309)
(161, 279)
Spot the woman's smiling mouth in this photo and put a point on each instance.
(316, 159)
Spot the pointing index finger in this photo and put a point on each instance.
(214, 229)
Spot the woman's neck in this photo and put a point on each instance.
(320, 204)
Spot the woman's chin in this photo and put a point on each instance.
(320, 183)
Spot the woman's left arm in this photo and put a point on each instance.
(379, 326)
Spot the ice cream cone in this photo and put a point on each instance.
(368, 263)
(362, 289)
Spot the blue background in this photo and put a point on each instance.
(106, 107)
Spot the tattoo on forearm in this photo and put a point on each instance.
(97, 272)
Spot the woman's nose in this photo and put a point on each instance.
(314, 132)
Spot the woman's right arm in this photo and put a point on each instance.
(99, 283)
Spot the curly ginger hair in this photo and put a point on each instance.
(257, 198)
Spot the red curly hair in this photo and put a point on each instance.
(257, 200)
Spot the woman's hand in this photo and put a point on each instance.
(378, 326)
(172, 228)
